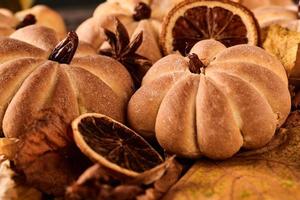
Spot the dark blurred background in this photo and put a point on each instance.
(67, 3)
(74, 11)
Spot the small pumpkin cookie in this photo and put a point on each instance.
(44, 16)
(213, 102)
(43, 88)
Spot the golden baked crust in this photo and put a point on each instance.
(111, 73)
(32, 35)
(140, 114)
(239, 101)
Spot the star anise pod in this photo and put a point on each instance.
(124, 51)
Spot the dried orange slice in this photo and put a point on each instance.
(113, 145)
(193, 20)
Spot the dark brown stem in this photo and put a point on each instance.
(27, 21)
(142, 11)
(65, 50)
(196, 66)
(299, 9)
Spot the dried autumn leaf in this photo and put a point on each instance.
(272, 174)
(12, 187)
(97, 183)
(284, 44)
(164, 183)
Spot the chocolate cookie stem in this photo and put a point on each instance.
(65, 50)
(142, 11)
(196, 66)
(27, 21)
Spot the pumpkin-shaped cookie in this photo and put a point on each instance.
(252, 4)
(7, 22)
(136, 15)
(44, 16)
(42, 89)
(230, 98)
(270, 15)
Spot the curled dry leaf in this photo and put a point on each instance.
(97, 183)
(284, 44)
(162, 185)
(12, 187)
(274, 174)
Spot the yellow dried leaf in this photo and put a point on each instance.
(11, 188)
(284, 44)
(273, 174)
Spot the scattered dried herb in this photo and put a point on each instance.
(96, 183)
(124, 51)
(27, 21)
(141, 11)
(65, 50)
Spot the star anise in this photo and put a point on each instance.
(124, 51)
